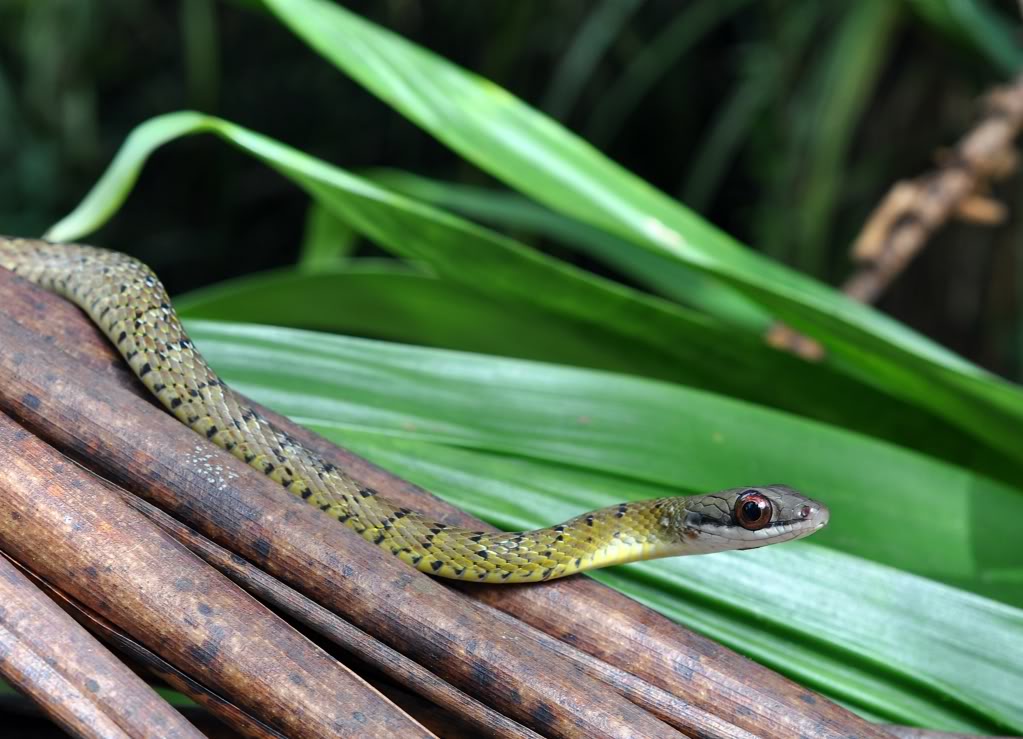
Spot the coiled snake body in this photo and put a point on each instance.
(129, 304)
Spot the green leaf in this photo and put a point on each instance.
(883, 497)
(660, 54)
(595, 35)
(327, 241)
(526, 444)
(665, 276)
(387, 300)
(798, 211)
(538, 157)
(740, 112)
(974, 23)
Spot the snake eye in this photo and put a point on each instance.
(752, 510)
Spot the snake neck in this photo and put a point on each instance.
(622, 533)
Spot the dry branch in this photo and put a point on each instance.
(76, 534)
(137, 450)
(151, 454)
(145, 660)
(665, 706)
(914, 210)
(77, 683)
(482, 719)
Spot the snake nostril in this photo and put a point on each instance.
(804, 512)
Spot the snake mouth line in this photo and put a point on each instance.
(796, 522)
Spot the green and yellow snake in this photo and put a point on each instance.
(126, 300)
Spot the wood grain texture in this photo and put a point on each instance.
(148, 452)
(60, 522)
(481, 719)
(78, 683)
(225, 717)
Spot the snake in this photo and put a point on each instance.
(126, 300)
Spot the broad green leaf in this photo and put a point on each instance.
(656, 338)
(386, 300)
(538, 157)
(525, 444)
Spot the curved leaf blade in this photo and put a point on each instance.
(656, 338)
(538, 157)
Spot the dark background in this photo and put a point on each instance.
(782, 122)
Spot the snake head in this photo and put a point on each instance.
(743, 518)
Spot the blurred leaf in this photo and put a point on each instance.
(597, 32)
(327, 241)
(526, 444)
(535, 155)
(741, 111)
(974, 23)
(801, 207)
(201, 53)
(652, 62)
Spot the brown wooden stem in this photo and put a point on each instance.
(73, 532)
(77, 683)
(484, 720)
(103, 424)
(146, 660)
(130, 442)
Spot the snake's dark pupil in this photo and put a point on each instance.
(751, 510)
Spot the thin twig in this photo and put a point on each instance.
(914, 210)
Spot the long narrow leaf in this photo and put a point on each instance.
(512, 211)
(389, 301)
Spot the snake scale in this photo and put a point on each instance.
(126, 300)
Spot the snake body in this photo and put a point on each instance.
(127, 301)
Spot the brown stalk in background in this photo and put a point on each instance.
(914, 210)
